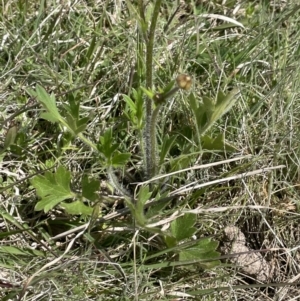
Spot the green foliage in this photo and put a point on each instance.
(52, 188)
(72, 121)
(119, 160)
(217, 143)
(167, 144)
(9, 138)
(183, 227)
(135, 108)
(49, 103)
(14, 251)
(108, 148)
(210, 111)
(203, 251)
(77, 208)
(90, 188)
(106, 145)
(182, 230)
(137, 209)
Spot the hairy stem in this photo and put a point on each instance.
(160, 100)
(150, 162)
(150, 44)
(116, 184)
(153, 150)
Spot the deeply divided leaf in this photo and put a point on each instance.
(48, 101)
(52, 188)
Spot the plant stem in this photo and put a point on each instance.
(148, 146)
(153, 122)
(153, 150)
(87, 142)
(141, 10)
(117, 185)
(150, 43)
(149, 61)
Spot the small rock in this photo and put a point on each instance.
(252, 263)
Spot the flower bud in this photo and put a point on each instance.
(184, 81)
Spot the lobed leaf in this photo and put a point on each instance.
(182, 228)
(77, 208)
(52, 188)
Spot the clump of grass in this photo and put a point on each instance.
(88, 96)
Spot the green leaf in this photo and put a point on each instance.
(106, 144)
(52, 188)
(168, 87)
(149, 93)
(199, 262)
(19, 251)
(120, 159)
(80, 129)
(52, 113)
(182, 228)
(90, 188)
(130, 103)
(11, 219)
(138, 97)
(170, 241)
(204, 249)
(199, 111)
(193, 102)
(71, 121)
(135, 106)
(137, 209)
(143, 196)
(205, 245)
(131, 111)
(216, 144)
(195, 253)
(82, 121)
(77, 124)
(210, 111)
(77, 208)
(48, 101)
(10, 296)
(166, 146)
(223, 105)
(136, 16)
(91, 48)
(73, 106)
(49, 117)
(209, 104)
(9, 138)
(157, 207)
(10, 233)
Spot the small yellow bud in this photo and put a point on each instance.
(184, 81)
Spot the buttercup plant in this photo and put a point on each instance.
(143, 117)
